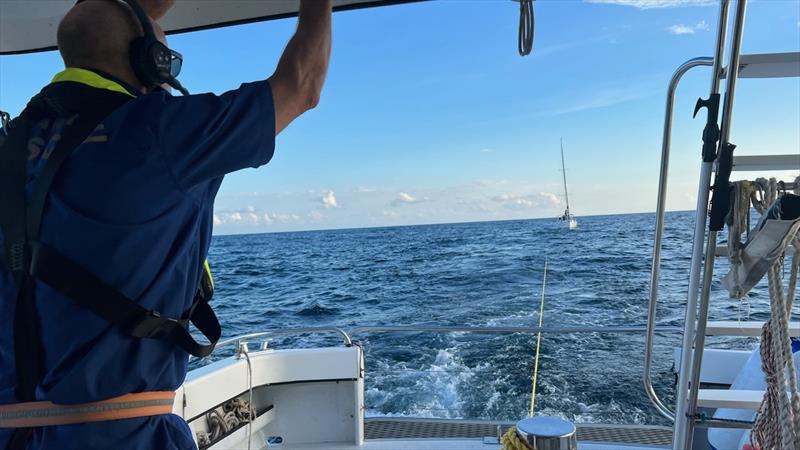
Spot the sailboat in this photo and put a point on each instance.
(567, 217)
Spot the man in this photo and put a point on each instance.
(133, 206)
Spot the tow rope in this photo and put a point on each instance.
(510, 439)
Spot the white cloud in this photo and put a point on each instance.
(540, 200)
(329, 200)
(653, 4)
(248, 216)
(680, 29)
(486, 150)
(404, 198)
(286, 217)
(316, 215)
(688, 29)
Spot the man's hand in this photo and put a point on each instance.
(298, 79)
(156, 9)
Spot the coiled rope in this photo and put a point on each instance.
(738, 221)
(527, 26)
(761, 193)
(220, 423)
(511, 441)
(778, 423)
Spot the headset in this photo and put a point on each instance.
(153, 63)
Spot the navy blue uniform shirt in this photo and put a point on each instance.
(134, 205)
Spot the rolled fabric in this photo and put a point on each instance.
(773, 233)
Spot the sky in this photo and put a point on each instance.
(429, 115)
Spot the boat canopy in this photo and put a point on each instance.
(30, 26)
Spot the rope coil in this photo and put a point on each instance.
(511, 441)
(777, 424)
(527, 27)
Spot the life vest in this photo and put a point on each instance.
(29, 259)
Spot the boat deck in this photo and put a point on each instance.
(441, 434)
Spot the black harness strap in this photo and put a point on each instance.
(27, 358)
(85, 289)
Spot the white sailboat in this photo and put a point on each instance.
(567, 217)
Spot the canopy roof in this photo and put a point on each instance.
(30, 26)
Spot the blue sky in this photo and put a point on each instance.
(429, 114)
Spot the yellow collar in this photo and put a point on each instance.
(88, 78)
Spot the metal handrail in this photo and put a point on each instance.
(247, 337)
(525, 330)
(660, 212)
(689, 407)
(348, 336)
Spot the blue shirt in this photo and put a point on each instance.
(133, 204)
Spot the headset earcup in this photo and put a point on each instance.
(140, 62)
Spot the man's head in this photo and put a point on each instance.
(97, 34)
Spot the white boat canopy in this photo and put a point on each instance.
(29, 26)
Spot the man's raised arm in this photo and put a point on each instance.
(298, 79)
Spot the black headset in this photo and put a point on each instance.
(153, 63)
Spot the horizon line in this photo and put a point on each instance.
(436, 223)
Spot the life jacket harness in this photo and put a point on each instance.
(28, 258)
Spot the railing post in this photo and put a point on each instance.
(691, 358)
(660, 211)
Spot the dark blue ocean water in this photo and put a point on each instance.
(478, 274)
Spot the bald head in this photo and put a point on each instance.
(97, 34)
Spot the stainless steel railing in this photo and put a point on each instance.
(506, 330)
(347, 337)
(348, 340)
(237, 341)
(660, 212)
(699, 233)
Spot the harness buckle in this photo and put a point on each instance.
(153, 325)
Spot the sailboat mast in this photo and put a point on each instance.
(564, 173)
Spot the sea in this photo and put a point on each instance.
(482, 274)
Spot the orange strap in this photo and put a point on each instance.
(41, 414)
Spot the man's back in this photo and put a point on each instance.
(131, 212)
(133, 205)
